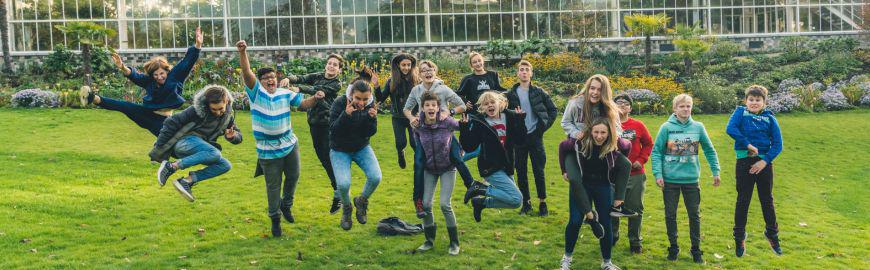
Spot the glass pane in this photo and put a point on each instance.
(287, 33)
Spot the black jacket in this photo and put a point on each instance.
(493, 155)
(184, 123)
(311, 83)
(542, 106)
(398, 97)
(350, 133)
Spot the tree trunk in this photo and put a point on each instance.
(688, 63)
(4, 37)
(648, 54)
(86, 59)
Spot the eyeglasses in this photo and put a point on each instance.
(622, 102)
(267, 77)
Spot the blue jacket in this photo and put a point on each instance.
(167, 95)
(760, 130)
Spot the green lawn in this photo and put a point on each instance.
(78, 191)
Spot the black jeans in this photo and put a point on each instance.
(692, 198)
(533, 148)
(144, 117)
(746, 183)
(320, 138)
(273, 170)
(401, 127)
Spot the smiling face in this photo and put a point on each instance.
(624, 107)
(427, 73)
(477, 63)
(269, 81)
(405, 66)
(600, 133)
(159, 75)
(754, 103)
(430, 110)
(360, 99)
(593, 93)
(333, 67)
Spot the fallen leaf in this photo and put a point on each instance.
(379, 252)
(253, 262)
(502, 251)
(350, 265)
(497, 235)
(536, 242)
(25, 241)
(718, 256)
(514, 257)
(182, 257)
(83, 225)
(51, 256)
(123, 238)
(33, 250)
(243, 237)
(802, 224)
(128, 260)
(299, 256)
(248, 220)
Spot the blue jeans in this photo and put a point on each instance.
(192, 150)
(473, 154)
(502, 192)
(602, 198)
(366, 160)
(143, 117)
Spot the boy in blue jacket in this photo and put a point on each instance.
(757, 141)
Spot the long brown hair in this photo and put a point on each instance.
(588, 141)
(606, 105)
(396, 76)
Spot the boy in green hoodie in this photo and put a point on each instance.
(676, 169)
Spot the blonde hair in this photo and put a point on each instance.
(524, 63)
(607, 107)
(588, 142)
(472, 54)
(154, 64)
(431, 65)
(491, 96)
(681, 98)
(756, 91)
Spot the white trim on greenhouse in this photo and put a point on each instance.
(167, 25)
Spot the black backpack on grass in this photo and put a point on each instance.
(394, 226)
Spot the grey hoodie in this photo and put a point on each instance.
(444, 93)
(572, 119)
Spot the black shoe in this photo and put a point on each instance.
(597, 228)
(542, 210)
(184, 188)
(453, 249)
(287, 213)
(673, 251)
(164, 172)
(429, 232)
(276, 226)
(476, 189)
(620, 211)
(418, 205)
(346, 220)
(478, 204)
(362, 205)
(636, 249)
(401, 155)
(739, 248)
(697, 255)
(773, 240)
(526, 208)
(336, 205)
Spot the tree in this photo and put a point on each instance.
(4, 37)
(583, 26)
(647, 26)
(88, 34)
(690, 45)
(501, 47)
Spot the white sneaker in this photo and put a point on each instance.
(609, 266)
(565, 264)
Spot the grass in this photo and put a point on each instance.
(78, 192)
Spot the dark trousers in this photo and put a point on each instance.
(144, 117)
(320, 138)
(634, 202)
(402, 132)
(746, 183)
(692, 198)
(533, 148)
(455, 157)
(273, 170)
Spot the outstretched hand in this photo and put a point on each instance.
(373, 111)
(198, 38)
(117, 59)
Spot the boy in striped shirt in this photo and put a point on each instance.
(277, 153)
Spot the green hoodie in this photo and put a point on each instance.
(675, 152)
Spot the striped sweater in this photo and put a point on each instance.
(270, 118)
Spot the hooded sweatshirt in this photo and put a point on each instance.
(445, 96)
(435, 140)
(675, 151)
(760, 130)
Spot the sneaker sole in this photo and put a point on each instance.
(183, 192)
(616, 214)
(83, 96)
(159, 170)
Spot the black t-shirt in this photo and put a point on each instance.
(473, 85)
(594, 168)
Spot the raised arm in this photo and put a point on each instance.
(247, 75)
(181, 70)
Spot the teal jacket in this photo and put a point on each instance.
(675, 152)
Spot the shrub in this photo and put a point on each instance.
(61, 61)
(644, 100)
(34, 98)
(833, 99)
(795, 49)
(830, 66)
(666, 88)
(787, 85)
(783, 102)
(613, 63)
(5, 96)
(564, 66)
(836, 44)
(713, 96)
(723, 51)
